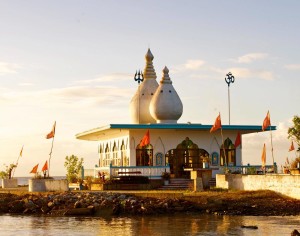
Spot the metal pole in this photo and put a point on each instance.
(229, 79)
(139, 77)
(229, 103)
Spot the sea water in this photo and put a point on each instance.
(173, 225)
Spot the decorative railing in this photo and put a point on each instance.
(250, 169)
(152, 172)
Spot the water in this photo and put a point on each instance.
(175, 225)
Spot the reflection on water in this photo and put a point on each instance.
(155, 225)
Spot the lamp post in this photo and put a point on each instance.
(229, 79)
(139, 78)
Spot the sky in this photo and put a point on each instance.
(73, 62)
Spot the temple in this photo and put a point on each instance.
(178, 148)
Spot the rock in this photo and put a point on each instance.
(45, 209)
(77, 204)
(295, 233)
(16, 206)
(249, 226)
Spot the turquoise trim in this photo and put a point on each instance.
(187, 126)
(136, 167)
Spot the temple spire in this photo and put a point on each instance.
(149, 72)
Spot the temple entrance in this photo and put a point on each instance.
(186, 155)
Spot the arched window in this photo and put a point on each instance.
(124, 157)
(144, 155)
(101, 156)
(107, 156)
(115, 156)
(227, 149)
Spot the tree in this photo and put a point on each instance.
(73, 165)
(294, 132)
(8, 172)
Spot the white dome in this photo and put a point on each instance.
(166, 106)
(139, 104)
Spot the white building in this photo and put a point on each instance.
(175, 147)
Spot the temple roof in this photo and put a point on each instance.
(104, 131)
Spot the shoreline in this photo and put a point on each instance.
(131, 203)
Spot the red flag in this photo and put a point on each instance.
(146, 139)
(45, 167)
(217, 124)
(263, 156)
(267, 122)
(238, 140)
(52, 133)
(292, 147)
(34, 169)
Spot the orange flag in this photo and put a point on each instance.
(146, 139)
(52, 133)
(238, 140)
(292, 147)
(267, 122)
(217, 124)
(34, 169)
(45, 167)
(263, 156)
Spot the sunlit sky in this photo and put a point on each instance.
(73, 62)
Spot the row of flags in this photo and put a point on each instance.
(218, 125)
(35, 168)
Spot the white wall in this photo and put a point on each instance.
(288, 185)
(164, 140)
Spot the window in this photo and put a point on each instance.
(144, 155)
(107, 156)
(116, 160)
(227, 153)
(124, 157)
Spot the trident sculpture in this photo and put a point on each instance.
(139, 77)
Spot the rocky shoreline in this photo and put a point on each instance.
(115, 204)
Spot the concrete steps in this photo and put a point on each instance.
(212, 183)
(178, 184)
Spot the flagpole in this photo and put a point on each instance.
(15, 167)
(272, 149)
(223, 147)
(50, 156)
(17, 162)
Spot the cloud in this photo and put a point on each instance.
(252, 73)
(251, 57)
(253, 144)
(114, 77)
(192, 64)
(8, 68)
(292, 67)
(74, 95)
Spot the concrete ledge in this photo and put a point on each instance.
(9, 183)
(47, 185)
(288, 185)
